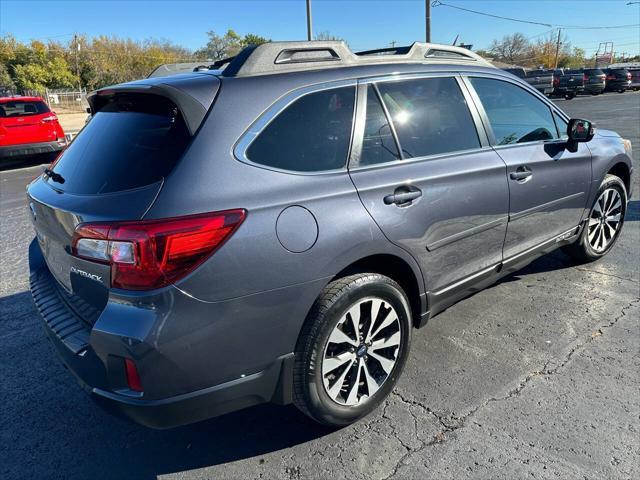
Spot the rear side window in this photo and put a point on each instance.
(310, 135)
(378, 144)
(22, 108)
(515, 115)
(132, 141)
(430, 116)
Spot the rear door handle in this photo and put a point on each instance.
(522, 174)
(403, 196)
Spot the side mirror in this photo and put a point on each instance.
(89, 110)
(580, 130)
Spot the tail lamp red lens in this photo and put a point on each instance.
(149, 254)
(556, 81)
(133, 377)
(585, 78)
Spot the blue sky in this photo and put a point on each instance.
(363, 23)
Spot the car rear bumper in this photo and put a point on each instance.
(616, 86)
(190, 368)
(594, 87)
(21, 150)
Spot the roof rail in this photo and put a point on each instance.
(277, 57)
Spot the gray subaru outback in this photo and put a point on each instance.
(271, 228)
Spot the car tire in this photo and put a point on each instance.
(335, 393)
(599, 236)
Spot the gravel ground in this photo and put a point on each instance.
(537, 377)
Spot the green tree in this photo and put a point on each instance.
(219, 47)
(253, 39)
(31, 77)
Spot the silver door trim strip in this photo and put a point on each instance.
(466, 233)
(529, 211)
(464, 280)
(555, 239)
(563, 236)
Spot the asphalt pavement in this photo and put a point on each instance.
(536, 377)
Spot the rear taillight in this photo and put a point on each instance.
(50, 118)
(150, 254)
(585, 78)
(628, 76)
(556, 81)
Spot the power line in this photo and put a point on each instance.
(438, 3)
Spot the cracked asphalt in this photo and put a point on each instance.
(537, 377)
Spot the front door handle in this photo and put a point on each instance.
(402, 196)
(522, 174)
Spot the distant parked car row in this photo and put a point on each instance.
(568, 83)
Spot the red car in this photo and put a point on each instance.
(27, 127)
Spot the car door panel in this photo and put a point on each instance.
(456, 226)
(552, 201)
(548, 184)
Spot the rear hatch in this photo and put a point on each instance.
(26, 121)
(112, 171)
(595, 76)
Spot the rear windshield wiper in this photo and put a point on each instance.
(56, 177)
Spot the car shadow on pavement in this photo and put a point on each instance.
(30, 161)
(56, 431)
(633, 211)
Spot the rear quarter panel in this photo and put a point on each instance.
(210, 178)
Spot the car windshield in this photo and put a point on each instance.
(22, 108)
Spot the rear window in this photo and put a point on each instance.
(594, 72)
(21, 108)
(132, 141)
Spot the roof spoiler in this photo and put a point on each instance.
(169, 69)
(192, 95)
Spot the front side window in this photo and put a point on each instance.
(562, 125)
(515, 115)
(310, 135)
(430, 116)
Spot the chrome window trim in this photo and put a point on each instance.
(426, 158)
(266, 117)
(364, 83)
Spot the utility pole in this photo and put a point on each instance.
(393, 43)
(77, 49)
(557, 49)
(309, 30)
(427, 25)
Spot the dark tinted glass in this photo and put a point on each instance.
(310, 135)
(518, 72)
(593, 71)
(430, 116)
(515, 115)
(378, 144)
(131, 142)
(22, 108)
